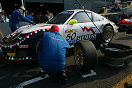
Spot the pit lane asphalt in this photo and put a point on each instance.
(13, 74)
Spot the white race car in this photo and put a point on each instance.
(75, 25)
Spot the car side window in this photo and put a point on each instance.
(82, 17)
(97, 17)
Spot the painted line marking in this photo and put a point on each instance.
(121, 83)
(21, 85)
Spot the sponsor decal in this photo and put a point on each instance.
(86, 37)
(88, 29)
(71, 30)
(11, 53)
(23, 46)
(73, 38)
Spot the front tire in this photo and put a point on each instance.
(85, 55)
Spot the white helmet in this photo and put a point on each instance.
(22, 7)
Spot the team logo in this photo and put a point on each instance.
(87, 29)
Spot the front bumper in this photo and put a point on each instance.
(21, 49)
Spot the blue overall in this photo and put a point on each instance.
(51, 52)
(16, 17)
(29, 16)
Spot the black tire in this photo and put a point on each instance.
(105, 37)
(108, 34)
(85, 55)
(116, 55)
(35, 47)
(116, 50)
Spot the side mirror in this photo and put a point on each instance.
(72, 21)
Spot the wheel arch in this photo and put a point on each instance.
(108, 24)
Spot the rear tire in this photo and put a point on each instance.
(34, 48)
(108, 34)
(105, 37)
(85, 55)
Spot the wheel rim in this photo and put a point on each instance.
(78, 56)
(108, 35)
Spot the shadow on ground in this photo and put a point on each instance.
(15, 73)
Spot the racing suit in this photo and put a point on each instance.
(29, 16)
(16, 17)
(51, 52)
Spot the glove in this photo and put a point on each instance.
(33, 23)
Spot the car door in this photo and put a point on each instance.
(82, 30)
(99, 22)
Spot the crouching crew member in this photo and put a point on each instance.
(51, 53)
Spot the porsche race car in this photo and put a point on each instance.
(75, 25)
(126, 25)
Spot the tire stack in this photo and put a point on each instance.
(116, 55)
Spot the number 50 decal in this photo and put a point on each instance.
(71, 36)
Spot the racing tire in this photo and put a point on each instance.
(116, 55)
(35, 47)
(85, 55)
(105, 37)
(108, 34)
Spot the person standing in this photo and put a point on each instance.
(102, 10)
(2, 17)
(16, 17)
(116, 9)
(51, 53)
(49, 15)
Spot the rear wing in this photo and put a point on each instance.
(111, 16)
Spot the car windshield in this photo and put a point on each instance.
(60, 18)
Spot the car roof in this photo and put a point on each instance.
(78, 10)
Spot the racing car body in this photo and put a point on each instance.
(74, 25)
(125, 25)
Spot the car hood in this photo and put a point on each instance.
(31, 28)
(23, 33)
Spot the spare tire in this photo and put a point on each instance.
(85, 55)
(115, 54)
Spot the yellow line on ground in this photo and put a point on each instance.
(121, 83)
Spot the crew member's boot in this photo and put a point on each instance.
(62, 78)
(127, 85)
(42, 73)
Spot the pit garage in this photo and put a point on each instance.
(43, 5)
